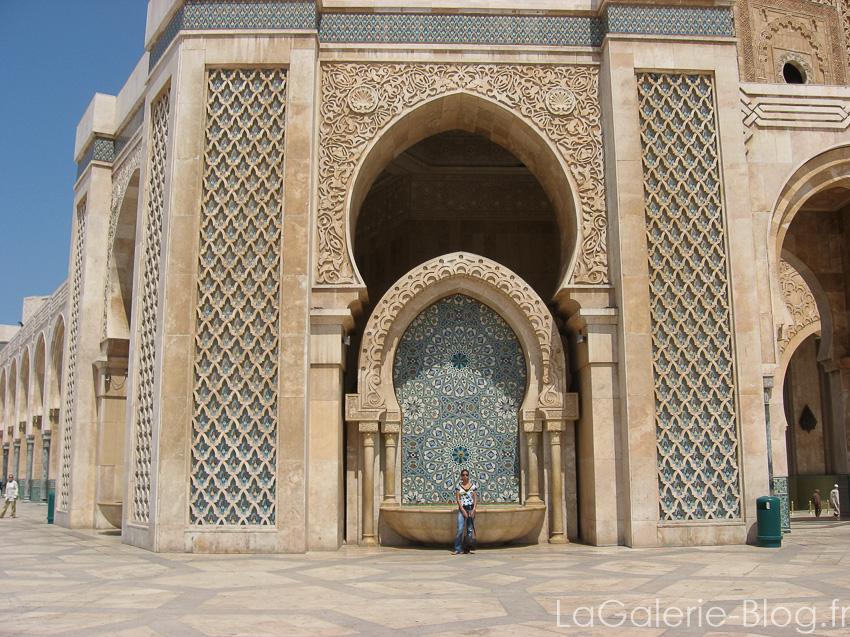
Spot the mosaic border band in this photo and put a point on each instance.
(101, 149)
(434, 28)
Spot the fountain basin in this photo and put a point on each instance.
(112, 511)
(494, 523)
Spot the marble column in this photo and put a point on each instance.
(369, 431)
(390, 431)
(16, 459)
(45, 463)
(557, 535)
(27, 481)
(5, 462)
(532, 437)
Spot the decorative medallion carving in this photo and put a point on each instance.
(799, 300)
(560, 101)
(360, 100)
(790, 24)
(372, 389)
(363, 100)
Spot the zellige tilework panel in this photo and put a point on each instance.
(459, 375)
(693, 364)
(149, 290)
(73, 335)
(235, 411)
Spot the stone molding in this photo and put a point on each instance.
(361, 101)
(780, 109)
(376, 397)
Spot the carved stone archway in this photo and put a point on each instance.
(548, 116)
(546, 404)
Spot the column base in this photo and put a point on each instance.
(558, 539)
(369, 541)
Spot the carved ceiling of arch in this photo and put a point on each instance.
(120, 181)
(799, 300)
(360, 100)
(372, 397)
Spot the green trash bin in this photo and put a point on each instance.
(769, 522)
(51, 501)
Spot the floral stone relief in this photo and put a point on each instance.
(360, 100)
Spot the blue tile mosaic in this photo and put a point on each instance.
(430, 28)
(654, 20)
(101, 149)
(235, 14)
(460, 377)
(468, 29)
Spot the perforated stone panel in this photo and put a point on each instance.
(234, 427)
(149, 292)
(73, 335)
(459, 375)
(695, 402)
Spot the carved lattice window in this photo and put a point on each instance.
(149, 292)
(234, 427)
(73, 335)
(695, 404)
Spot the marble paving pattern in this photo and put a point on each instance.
(56, 581)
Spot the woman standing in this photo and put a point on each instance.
(467, 500)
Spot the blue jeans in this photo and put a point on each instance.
(463, 521)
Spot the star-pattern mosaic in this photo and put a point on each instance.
(460, 377)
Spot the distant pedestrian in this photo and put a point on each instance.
(816, 501)
(11, 495)
(833, 500)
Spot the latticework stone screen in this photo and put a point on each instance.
(234, 429)
(695, 402)
(73, 335)
(459, 375)
(149, 292)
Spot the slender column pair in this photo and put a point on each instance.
(369, 430)
(556, 512)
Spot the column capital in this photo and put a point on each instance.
(46, 435)
(367, 427)
(390, 427)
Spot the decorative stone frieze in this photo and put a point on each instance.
(799, 300)
(359, 102)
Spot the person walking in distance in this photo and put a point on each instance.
(11, 495)
(833, 500)
(816, 502)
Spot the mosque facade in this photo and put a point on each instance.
(326, 254)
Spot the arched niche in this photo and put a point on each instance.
(118, 297)
(548, 116)
(375, 407)
(480, 116)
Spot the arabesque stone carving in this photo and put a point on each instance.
(360, 100)
(373, 392)
(799, 300)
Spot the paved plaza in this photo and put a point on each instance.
(57, 581)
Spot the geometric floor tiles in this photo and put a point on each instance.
(55, 581)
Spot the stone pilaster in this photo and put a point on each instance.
(45, 462)
(26, 492)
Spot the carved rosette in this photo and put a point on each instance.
(372, 397)
(360, 100)
(799, 300)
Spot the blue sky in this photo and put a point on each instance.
(57, 54)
